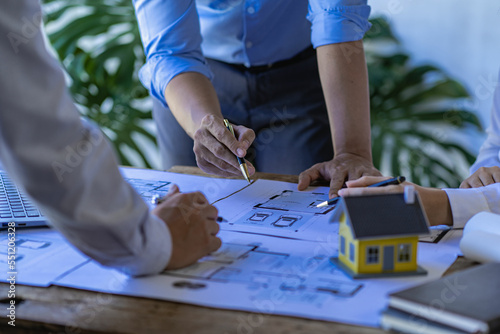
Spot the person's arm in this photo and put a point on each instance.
(192, 224)
(344, 79)
(176, 74)
(435, 201)
(452, 207)
(194, 103)
(465, 203)
(345, 87)
(486, 168)
(69, 168)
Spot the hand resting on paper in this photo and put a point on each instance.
(482, 177)
(342, 167)
(435, 201)
(192, 224)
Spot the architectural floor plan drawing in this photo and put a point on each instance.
(151, 182)
(258, 268)
(288, 210)
(41, 256)
(277, 208)
(149, 188)
(266, 274)
(293, 200)
(274, 259)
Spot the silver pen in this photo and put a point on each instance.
(241, 161)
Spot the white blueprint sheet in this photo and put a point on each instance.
(255, 270)
(279, 209)
(268, 275)
(42, 255)
(213, 188)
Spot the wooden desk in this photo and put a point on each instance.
(64, 310)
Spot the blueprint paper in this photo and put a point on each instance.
(279, 209)
(268, 275)
(451, 240)
(42, 255)
(275, 257)
(214, 189)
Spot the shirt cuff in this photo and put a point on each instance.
(339, 24)
(465, 203)
(156, 253)
(159, 71)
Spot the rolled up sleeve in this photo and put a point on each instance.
(338, 21)
(170, 33)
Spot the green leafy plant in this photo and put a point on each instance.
(415, 113)
(99, 44)
(412, 109)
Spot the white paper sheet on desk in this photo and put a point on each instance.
(268, 275)
(213, 188)
(42, 255)
(262, 274)
(279, 209)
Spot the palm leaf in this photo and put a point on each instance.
(103, 68)
(407, 104)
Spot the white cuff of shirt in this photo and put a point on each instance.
(465, 203)
(158, 250)
(155, 255)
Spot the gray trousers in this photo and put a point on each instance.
(283, 104)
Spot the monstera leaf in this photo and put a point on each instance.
(99, 45)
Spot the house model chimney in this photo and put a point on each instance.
(409, 194)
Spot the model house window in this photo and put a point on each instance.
(342, 245)
(404, 252)
(372, 254)
(351, 252)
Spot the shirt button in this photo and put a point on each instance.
(251, 10)
(249, 44)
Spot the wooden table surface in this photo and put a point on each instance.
(65, 310)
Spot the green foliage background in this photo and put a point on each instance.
(412, 109)
(415, 112)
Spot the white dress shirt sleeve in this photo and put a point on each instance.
(64, 164)
(465, 203)
(489, 153)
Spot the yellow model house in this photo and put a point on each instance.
(378, 235)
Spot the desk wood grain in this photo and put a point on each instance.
(64, 310)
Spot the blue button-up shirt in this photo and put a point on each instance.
(177, 35)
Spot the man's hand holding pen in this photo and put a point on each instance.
(215, 147)
(192, 223)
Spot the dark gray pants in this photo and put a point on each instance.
(283, 104)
